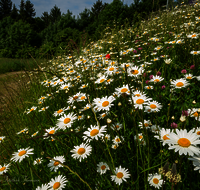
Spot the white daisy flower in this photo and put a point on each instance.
(34, 134)
(106, 138)
(1, 138)
(163, 135)
(140, 101)
(117, 140)
(114, 146)
(54, 165)
(138, 93)
(66, 121)
(43, 109)
(22, 131)
(184, 142)
(155, 129)
(153, 106)
(156, 79)
(110, 70)
(179, 83)
(104, 103)
(58, 183)
(135, 71)
(198, 78)
(155, 180)
(116, 126)
(74, 98)
(43, 187)
(37, 161)
(196, 162)
(195, 52)
(32, 109)
(81, 151)
(4, 168)
(122, 90)
(120, 175)
(147, 124)
(101, 79)
(21, 154)
(94, 133)
(194, 113)
(102, 167)
(189, 76)
(65, 86)
(82, 97)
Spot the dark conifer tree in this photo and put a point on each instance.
(55, 14)
(5, 8)
(14, 14)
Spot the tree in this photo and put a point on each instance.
(14, 14)
(46, 18)
(55, 14)
(97, 8)
(5, 8)
(22, 12)
(30, 11)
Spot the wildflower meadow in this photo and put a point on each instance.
(121, 113)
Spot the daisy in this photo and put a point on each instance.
(58, 183)
(189, 76)
(110, 70)
(116, 126)
(54, 165)
(156, 79)
(155, 129)
(122, 90)
(87, 106)
(194, 112)
(120, 175)
(138, 93)
(73, 99)
(37, 161)
(34, 134)
(163, 135)
(134, 71)
(194, 35)
(43, 109)
(66, 121)
(198, 78)
(104, 103)
(65, 86)
(101, 80)
(195, 52)
(106, 138)
(22, 131)
(102, 167)
(94, 133)
(4, 168)
(82, 97)
(81, 151)
(147, 124)
(21, 154)
(1, 138)
(103, 115)
(140, 101)
(43, 187)
(196, 162)
(117, 140)
(184, 142)
(59, 112)
(114, 146)
(179, 83)
(32, 109)
(153, 106)
(155, 180)
(148, 87)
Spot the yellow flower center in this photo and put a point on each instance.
(52, 132)
(111, 69)
(102, 80)
(83, 97)
(105, 103)
(104, 115)
(103, 167)
(139, 101)
(43, 98)
(146, 124)
(79, 117)
(21, 153)
(184, 142)
(198, 132)
(59, 111)
(156, 80)
(117, 139)
(75, 97)
(31, 109)
(65, 87)
(117, 126)
(108, 80)
(140, 136)
(189, 77)
(153, 106)
(67, 120)
(165, 137)
(56, 163)
(138, 95)
(134, 72)
(155, 181)
(195, 114)
(94, 132)
(120, 175)
(194, 35)
(179, 84)
(195, 52)
(0, 139)
(56, 185)
(2, 169)
(123, 90)
(81, 151)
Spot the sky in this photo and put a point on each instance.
(75, 6)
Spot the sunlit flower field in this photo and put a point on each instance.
(122, 113)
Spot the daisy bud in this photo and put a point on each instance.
(182, 118)
(194, 102)
(88, 117)
(172, 117)
(119, 104)
(109, 121)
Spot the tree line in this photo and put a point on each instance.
(23, 35)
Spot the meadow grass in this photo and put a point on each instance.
(122, 114)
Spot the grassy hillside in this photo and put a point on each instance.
(123, 113)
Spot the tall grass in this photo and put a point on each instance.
(115, 117)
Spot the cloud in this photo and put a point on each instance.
(75, 6)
